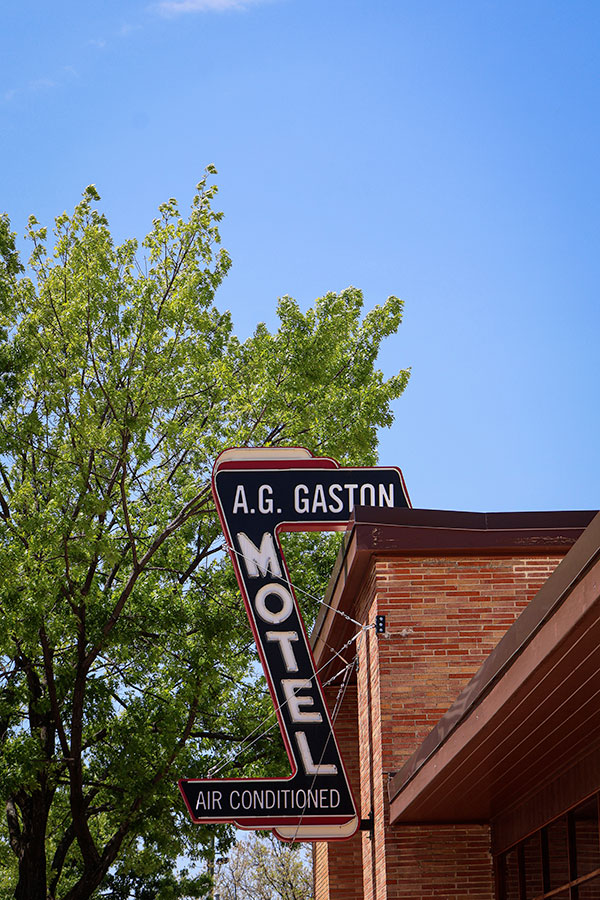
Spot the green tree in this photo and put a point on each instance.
(264, 869)
(10, 269)
(125, 658)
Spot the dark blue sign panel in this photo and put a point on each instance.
(259, 493)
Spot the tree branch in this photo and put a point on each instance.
(52, 692)
(14, 828)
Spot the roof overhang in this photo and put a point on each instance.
(530, 713)
(426, 532)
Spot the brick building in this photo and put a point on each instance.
(471, 727)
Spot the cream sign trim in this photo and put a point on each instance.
(259, 493)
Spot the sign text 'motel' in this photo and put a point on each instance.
(258, 493)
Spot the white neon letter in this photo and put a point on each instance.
(301, 503)
(350, 488)
(287, 604)
(284, 639)
(333, 492)
(265, 506)
(319, 499)
(307, 761)
(385, 495)
(363, 495)
(290, 685)
(259, 560)
(240, 501)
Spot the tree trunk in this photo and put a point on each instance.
(32, 849)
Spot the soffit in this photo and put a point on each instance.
(530, 713)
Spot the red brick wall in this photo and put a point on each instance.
(449, 862)
(321, 870)
(457, 608)
(338, 864)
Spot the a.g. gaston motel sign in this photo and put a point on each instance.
(259, 492)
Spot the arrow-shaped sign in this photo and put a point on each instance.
(259, 492)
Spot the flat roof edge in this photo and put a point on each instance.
(572, 568)
(409, 531)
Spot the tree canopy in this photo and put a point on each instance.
(264, 869)
(125, 658)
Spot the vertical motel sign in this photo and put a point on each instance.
(259, 492)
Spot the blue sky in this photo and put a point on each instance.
(442, 150)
